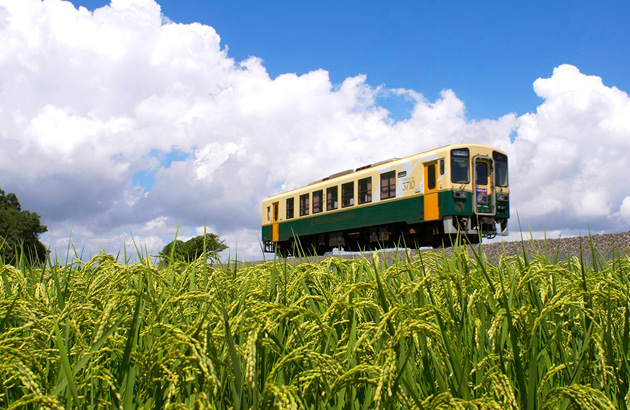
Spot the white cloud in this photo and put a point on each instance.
(570, 157)
(88, 99)
(624, 210)
(158, 225)
(212, 156)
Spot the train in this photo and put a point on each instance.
(427, 199)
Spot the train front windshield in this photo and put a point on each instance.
(482, 173)
(460, 166)
(501, 169)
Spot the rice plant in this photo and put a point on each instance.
(427, 332)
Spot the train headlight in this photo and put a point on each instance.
(503, 197)
(459, 194)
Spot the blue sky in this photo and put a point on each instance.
(488, 52)
(117, 121)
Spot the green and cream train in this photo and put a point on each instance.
(422, 200)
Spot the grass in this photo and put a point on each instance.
(431, 332)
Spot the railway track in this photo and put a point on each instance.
(564, 248)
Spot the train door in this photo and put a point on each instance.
(431, 209)
(484, 186)
(274, 231)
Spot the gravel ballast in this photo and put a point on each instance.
(564, 248)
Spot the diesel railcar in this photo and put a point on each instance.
(422, 200)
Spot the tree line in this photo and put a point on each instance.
(19, 231)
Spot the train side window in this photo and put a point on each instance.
(347, 194)
(365, 190)
(269, 213)
(431, 177)
(442, 167)
(317, 201)
(388, 185)
(303, 204)
(332, 198)
(289, 208)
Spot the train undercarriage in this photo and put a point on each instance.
(399, 235)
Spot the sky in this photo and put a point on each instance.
(136, 120)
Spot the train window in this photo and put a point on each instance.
(332, 198)
(481, 169)
(388, 185)
(269, 213)
(347, 194)
(441, 167)
(460, 166)
(365, 190)
(501, 168)
(317, 201)
(431, 177)
(289, 208)
(303, 204)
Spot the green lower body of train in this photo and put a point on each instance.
(396, 223)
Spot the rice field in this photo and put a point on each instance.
(430, 331)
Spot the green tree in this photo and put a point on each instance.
(191, 249)
(174, 248)
(19, 230)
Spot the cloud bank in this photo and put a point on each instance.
(121, 121)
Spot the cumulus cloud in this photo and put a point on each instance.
(570, 157)
(624, 210)
(91, 100)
